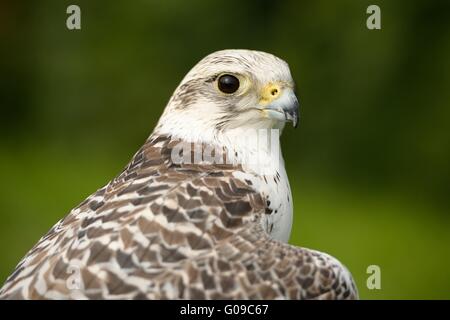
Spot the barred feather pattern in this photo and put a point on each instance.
(161, 230)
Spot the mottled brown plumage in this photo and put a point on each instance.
(183, 231)
(168, 230)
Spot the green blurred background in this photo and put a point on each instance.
(369, 164)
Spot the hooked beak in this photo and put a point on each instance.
(284, 107)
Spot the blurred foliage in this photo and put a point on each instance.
(369, 165)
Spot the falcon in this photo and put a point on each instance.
(193, 215)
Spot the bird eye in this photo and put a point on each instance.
(228, 83)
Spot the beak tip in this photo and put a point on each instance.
(295, 123)
(294, 118)
(295, 113)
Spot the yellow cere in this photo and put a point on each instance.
(269, 93)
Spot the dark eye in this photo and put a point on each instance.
(228, 83)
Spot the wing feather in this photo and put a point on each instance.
(166, 231)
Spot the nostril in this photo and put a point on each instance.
(274, 92)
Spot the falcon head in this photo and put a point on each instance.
(231, 89)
